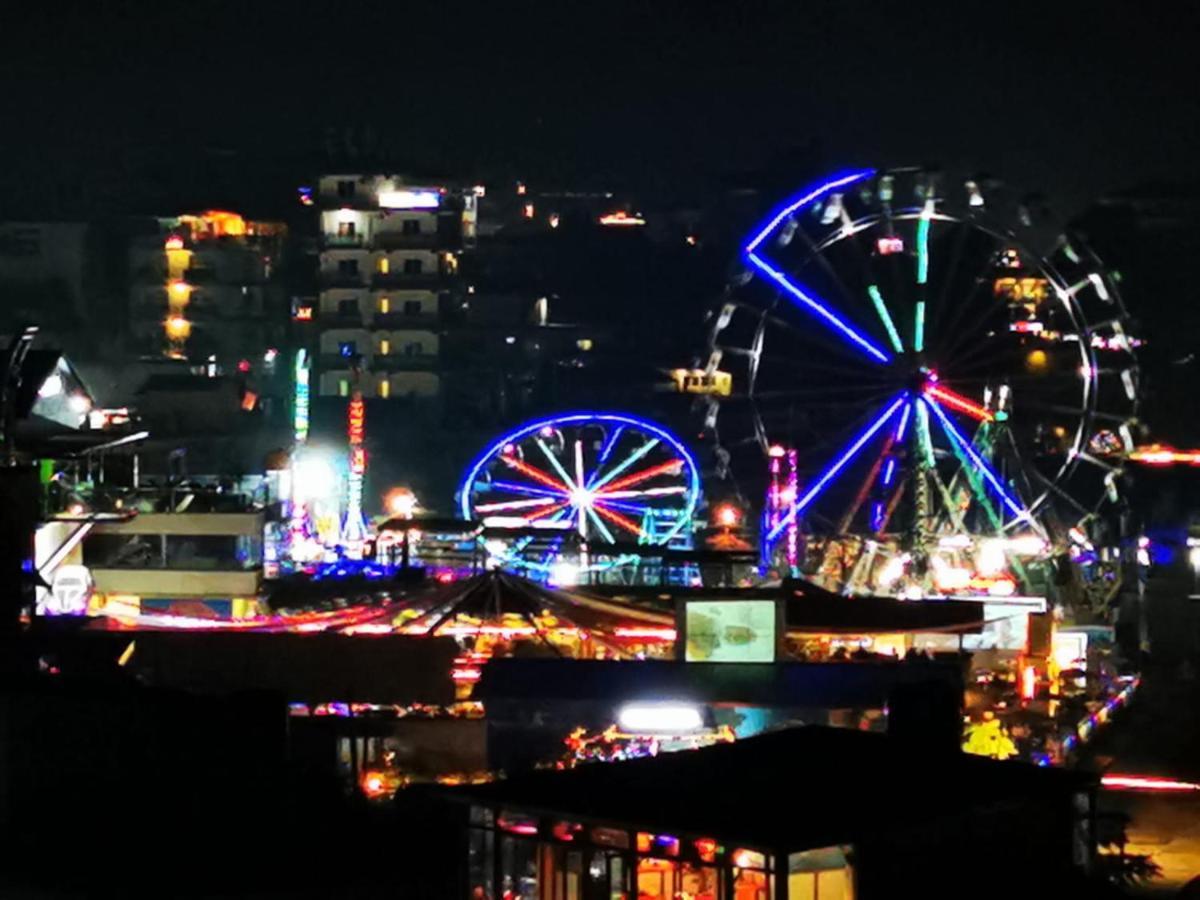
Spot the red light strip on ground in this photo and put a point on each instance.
(959, 402)
(536, 474)
(672, 467)
(1158, 455)
(1146, 783)
(660, 634)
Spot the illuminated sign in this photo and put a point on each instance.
(304, 314)
(410, 199)
(1021, 290)
(358, 460)
(730, 630)
(622, 218)
(301, 398)
(357, 420)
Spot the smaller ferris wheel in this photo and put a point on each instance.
(590, 483)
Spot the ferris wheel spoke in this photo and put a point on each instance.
(554, 463)
(610, 443)
(515, 488)
(884, 316)
(628, 461)
(515, 504)
(536, 474)
(956, 437)
(618, 519)
(959, 402)
(947, 280)
(835, 468)
(670, 467)
(674, 490)
(600, 526)
(822, 312)
(963, 304)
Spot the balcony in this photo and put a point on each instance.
(405, 280)
(404, 362)
(398, 240)
(343, 279)
(403, 320)
(338, 319)
(343, 240)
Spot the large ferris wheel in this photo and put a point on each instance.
(950, 374)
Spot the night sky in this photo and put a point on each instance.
(1071, 98)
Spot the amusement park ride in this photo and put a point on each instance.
(953, 373)
(931, 387)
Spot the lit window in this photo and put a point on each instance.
(385, 265)
(385, 347)
(385, 305)
(343, 388)
(385, 388)
(529, 210)
(584, 344)
(345, 229)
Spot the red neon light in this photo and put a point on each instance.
(535, 473)
(174, 242)
(959, 402)
(358, 416)
(624, 521)
(304, 313)
(1146, 783)
(670, 467)
(466, 674)
(1026, 326)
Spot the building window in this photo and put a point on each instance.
(348, 307)
(413, 348)
(413, 266)
(412, 307)
(385, 305)
(345, 229)
(343, 388)
(410, 226)
(345, 188)
(385, 347)
(347, 348)
(385, 265)
(347, 266)
(385, 388)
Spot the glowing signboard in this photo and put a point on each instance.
(410, 199)
(730, 630)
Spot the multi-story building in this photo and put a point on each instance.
(389, 281)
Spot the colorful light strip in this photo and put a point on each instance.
(810, 196)
(959, 402)
(902, 428)
(885, 317)
(1159, 455)
(984, 469)
(1146, 783)
(829, 474)
(823, 312)
(670, 467)
(535, 473)
(625, 522)
(623, 465)
(923, 244)
(919, 327)
(515, 488)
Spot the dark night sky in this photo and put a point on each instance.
(1073, 98)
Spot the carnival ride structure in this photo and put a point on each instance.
(950, 375)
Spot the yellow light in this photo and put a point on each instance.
(1037, 360)
(180, 290)
(385, 347)
(529, 210)
(384, 265)
(385, 305)
(385, 388)
(127, 654)
(178, 327)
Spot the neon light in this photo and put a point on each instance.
(622, 218)
(816, 307)
(889, 245)
(919, 327)
(557, 466)
(600, 526)
(959, 402)
(1146, 783)
(514, 504)
(357, 420)
(648, 492)
(832, 472)
(814, 194)
(881, 308)
(923, 244)
(889, 471)
(629, 461)
(410, 199)
(300, 414)
(984, 469)
(902, 428)
(515, 488)
(625, 522)
(670, 467)
(643, 632)
(534, 473)
(1162, 455)
(606, 451)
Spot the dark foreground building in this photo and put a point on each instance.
(804, 813)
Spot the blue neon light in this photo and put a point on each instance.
(815, 306)
(607, 449)
(903, 426)
(877, 515)
(581, 418)
(829, 474)
(803, 200)
(889, 471)
(625, 506)
(984, 469)
(523, 489)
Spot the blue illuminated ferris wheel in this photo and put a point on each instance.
(953, 371)
(586, 484)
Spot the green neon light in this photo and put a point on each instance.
(881, 308)
(923, 438)
(923, 250)
(919, 327)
